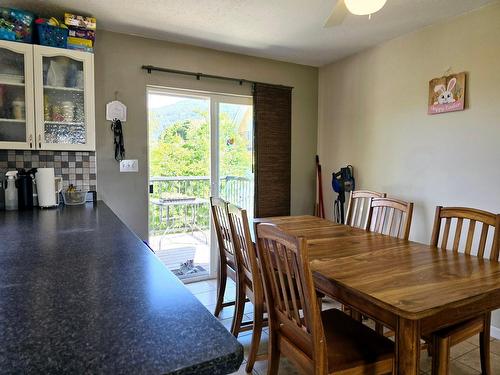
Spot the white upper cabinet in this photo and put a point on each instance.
(17, 122)
(49, 95)
(64, 99)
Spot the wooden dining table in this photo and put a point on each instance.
(412, 288)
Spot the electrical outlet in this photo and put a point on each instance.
(129, 165)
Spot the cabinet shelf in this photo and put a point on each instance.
(17, 84)
(64, 123)
(12, 120)
(62, 88)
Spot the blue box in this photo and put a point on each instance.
(16, 25)
(52, 36)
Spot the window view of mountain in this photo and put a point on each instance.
(183, 110)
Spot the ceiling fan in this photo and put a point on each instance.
(356, 7)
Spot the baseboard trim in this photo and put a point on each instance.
(495, 332)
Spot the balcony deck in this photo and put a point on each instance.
(175, 249)
(179, 219)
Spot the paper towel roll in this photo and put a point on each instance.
(46, 187)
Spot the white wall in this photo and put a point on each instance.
(373, 115)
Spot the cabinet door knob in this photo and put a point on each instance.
(31, 140)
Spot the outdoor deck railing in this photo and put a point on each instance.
(190, 217)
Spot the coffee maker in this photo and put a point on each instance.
(24, 184)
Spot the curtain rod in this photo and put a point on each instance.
(241, 81)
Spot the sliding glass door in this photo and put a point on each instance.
(200, 145)
(235, 151)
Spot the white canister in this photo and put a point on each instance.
(18, 109)
(48, 187)
(68, 111)
(79, 79)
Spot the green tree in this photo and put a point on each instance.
(183, 149)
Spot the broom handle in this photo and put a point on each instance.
(320, 209)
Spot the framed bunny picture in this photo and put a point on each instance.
(447, 94)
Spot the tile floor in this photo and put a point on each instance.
(465, 356)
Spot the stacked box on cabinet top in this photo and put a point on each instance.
(81, 32)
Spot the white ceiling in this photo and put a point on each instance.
(288, 30)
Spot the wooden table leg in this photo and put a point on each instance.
(408, 347)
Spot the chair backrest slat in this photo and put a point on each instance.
(390, 216)
(222, 226)
(276, 290)
(467, 216)
(245, 251)
(285, 291)
(291, 281)
(355, 213)
(482, 241)
(357, 210)
(290, 289)
(446, 233)
(390, 221)
(458, 233)
(470, 236)
(380, 222)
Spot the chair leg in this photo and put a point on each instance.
(258, 317)
(428, 342)
(238, 309)
(221, 289)
(440, 356)
(484, 345)
(379, 328)
(274, 353)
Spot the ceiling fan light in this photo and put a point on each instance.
(364, 7)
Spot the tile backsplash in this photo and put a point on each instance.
(75, 167)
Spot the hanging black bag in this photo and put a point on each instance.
(116, 127)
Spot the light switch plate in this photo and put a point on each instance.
(129, 165)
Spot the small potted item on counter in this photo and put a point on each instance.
(73, 197)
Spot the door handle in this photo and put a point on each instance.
(151, 189)
(39, 141)
(31, 140)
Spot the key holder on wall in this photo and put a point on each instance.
(116, 112)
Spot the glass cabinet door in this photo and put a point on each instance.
(64, 98)
(16, 96)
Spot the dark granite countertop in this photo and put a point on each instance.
(80, 293)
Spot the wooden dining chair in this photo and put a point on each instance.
(227, 259)
(248, 284)
(318, 342)
(359, 204)
(443, 340)
(390, 216)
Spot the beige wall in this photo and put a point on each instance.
(372, 114)
(118, 61)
